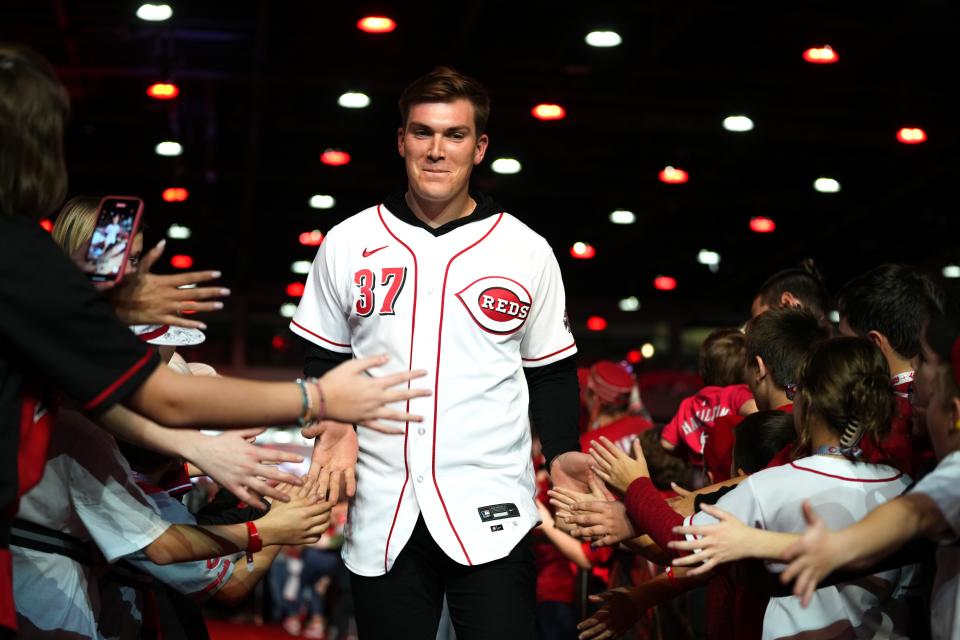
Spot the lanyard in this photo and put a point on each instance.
(830, 450)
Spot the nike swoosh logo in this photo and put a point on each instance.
(369, 252)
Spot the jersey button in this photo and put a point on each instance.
(419, 478)
(421, 431)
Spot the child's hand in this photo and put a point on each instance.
(615, 467)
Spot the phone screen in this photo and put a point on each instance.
(112, 236)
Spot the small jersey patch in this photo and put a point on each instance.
(498, 512)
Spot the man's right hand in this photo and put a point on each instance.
(334, 458)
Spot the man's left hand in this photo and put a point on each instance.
(571, 470)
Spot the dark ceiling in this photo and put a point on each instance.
(260, 82)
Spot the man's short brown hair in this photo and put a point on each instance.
(444, 84)
(782, 338)
(33, 109)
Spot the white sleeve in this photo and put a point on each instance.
(321, 316)
(942, 485)
(110, 504)
(547, 337)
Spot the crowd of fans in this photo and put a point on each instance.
(806, 489)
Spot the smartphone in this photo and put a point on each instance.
(118, 218)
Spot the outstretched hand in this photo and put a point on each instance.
(725, 541)
(618, 613)
(571, 470)
(239, 465)
(300, 521)
(352, 395)
(146, 298)
(615, 467)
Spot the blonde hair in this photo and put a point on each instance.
(75, 224)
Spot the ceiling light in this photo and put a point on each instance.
(826, 185)
(321, 201)
(911, 135)
(354, 100)
(647, 350)
(179, 232)
(163, 91)
(951, 271)
(549, 112)
(376, 24)
(672, 175)
(582, 250)
(301, 267)
(603, 39)
(630, 303)
(169, 148)
(664, 283)
(622, 216)
(762, 224)
(738, 124)
(506, 166)
(596, 323)
(821, 55)
(154, 12)
(288, 309)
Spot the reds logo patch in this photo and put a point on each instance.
(499, 305)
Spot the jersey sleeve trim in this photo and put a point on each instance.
(310, 335)
(217, 582)
(98, 400)
(572, 345)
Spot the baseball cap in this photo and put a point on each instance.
(943, 336)
(165, 335)
(610, 381)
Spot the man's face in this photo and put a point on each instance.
(941, 416)
(440, 147)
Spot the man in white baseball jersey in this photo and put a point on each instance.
(442, 279)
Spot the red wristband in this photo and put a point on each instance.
(254, 543)
(672, 578)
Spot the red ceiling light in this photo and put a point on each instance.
(549, 112)
(163, 91)
(821, 55)
(47, 225)
(762, 224)
(335, 157)
(672, 175)
(664, 283)
(279, 343)
(295, 289)
(376, 24)
(634, 356)
(596, 323)
(582, 251)
(181, 261)
(175, 194)
(311, 238)
(911, 135)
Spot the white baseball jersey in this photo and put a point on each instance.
(943, 486)
(841, 492)
(472, 307)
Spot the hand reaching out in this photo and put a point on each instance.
(146, 298)
(615, 467)
(352, 395)
(726, 541)
(617, 615)
(239, 465)
(300, 521)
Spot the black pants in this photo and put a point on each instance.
(496, 600)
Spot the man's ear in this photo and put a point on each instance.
(790, 301)
(955, 412)
(760, 368)
(481, 150)
(878, 339)
(400, 148)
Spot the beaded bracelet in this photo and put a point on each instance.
(307, 408)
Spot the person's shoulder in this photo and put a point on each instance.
(523, 232)
(354, 228)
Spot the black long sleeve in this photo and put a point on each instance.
(320, 360)
(555, 406)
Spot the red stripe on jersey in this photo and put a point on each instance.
(317, 335)
(8, 610)
(436, 384)
(103, 395)
(830, 475)
(569, 346)
(406, 432)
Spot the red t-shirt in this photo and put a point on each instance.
(698, 414)
(621, 432)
